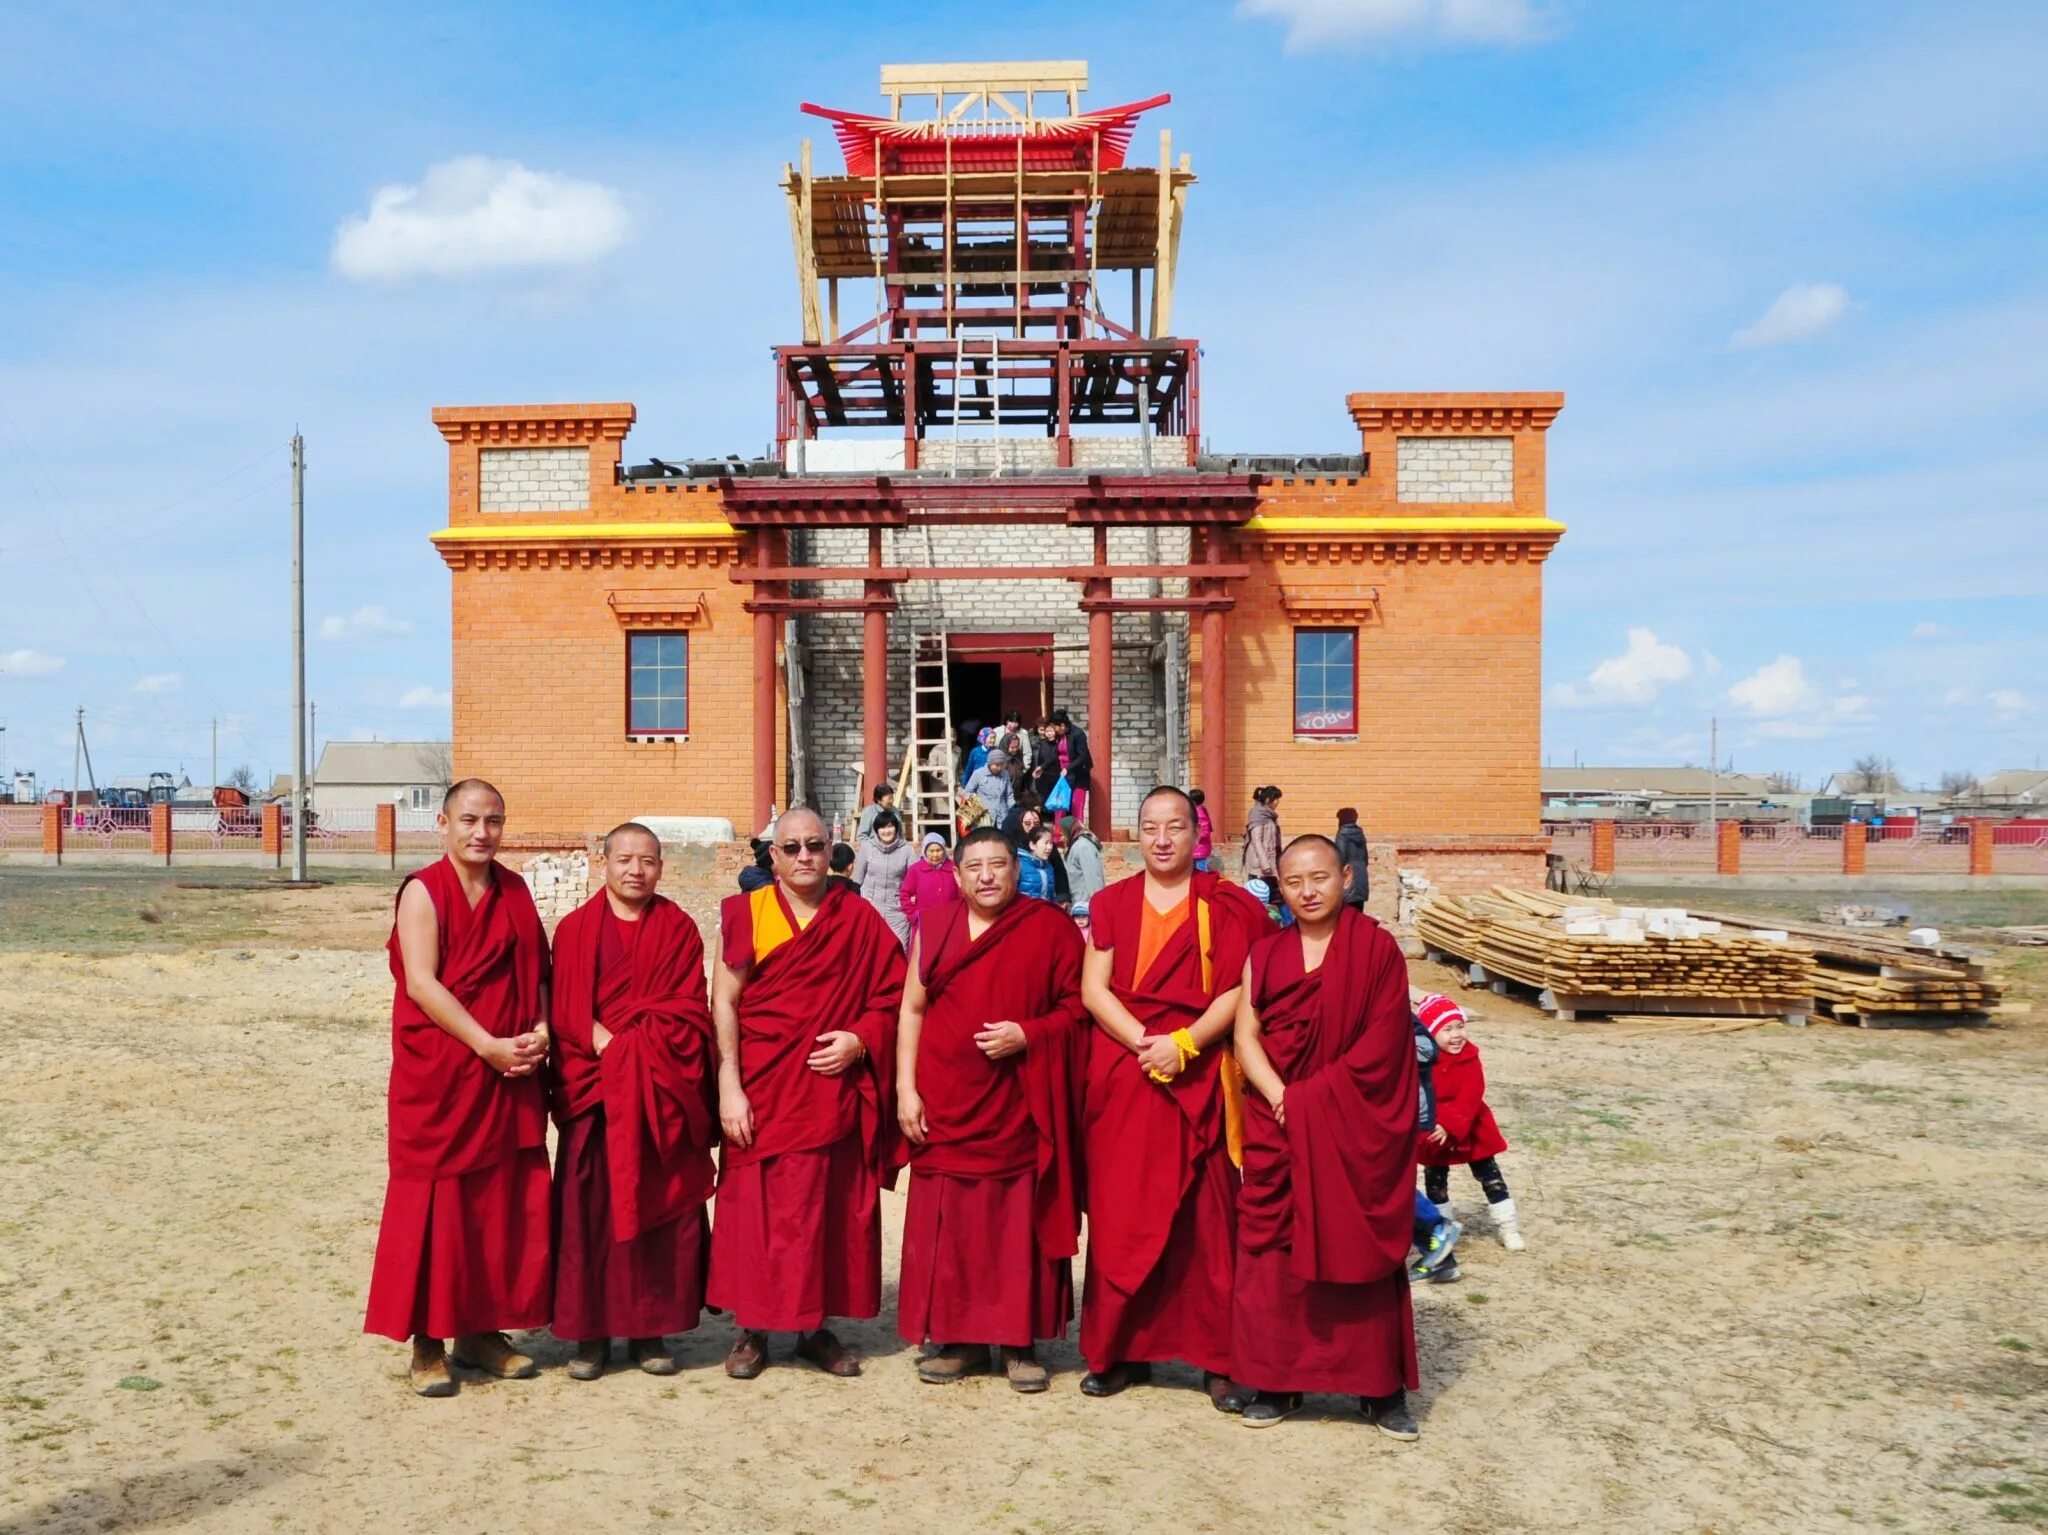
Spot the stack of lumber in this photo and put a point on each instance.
(1864, 974)
(1521, 935)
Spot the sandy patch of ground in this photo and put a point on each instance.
(1777, 1280)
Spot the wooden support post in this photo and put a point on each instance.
(1980, 846)
(1855, 836)
(1162, 252)
(1603, 847)
(765, 795)
(874, 676)
(1727, 847)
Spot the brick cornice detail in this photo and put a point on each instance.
(510, 425)
(648, 556)
(1455, 414)
(1330, 605)
(657, 608)
(1292, 550)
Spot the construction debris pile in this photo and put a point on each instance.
(1598, 956)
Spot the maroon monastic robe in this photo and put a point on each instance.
(798, 1233)
(1161, 1190)
(633, 1162)
(463, 1246)
(994, 1213)
(1325, 1214)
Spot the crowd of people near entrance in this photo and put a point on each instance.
(1232, 1088)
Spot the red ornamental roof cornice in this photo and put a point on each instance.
(919, 148)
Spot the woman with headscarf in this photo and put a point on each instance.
(928, 885)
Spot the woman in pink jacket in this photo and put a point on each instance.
(929, 884)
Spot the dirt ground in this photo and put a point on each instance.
(1777, 1280)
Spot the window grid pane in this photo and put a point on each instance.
(1324, 680)
(657, 683)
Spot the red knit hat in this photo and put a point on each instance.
(1436, 1011)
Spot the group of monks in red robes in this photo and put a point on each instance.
(1249, 1221)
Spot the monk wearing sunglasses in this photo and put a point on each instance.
(804, 998)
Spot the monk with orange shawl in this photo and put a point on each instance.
(805, 997)
(1161, 980)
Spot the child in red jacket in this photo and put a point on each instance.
(1465, 1129)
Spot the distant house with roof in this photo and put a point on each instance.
(1595, 793)
(357, 775)
(2022, 790)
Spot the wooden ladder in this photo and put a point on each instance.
(931, 734)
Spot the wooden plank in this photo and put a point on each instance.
(1062, 75)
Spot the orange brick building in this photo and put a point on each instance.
(993, 489)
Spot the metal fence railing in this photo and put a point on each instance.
(21, 828)
(417, 832)
(351, 830)
(210, 829)
(108, 828)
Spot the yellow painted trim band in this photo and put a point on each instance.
(1542, 526)
(588, 532)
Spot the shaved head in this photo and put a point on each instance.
(795, 817)
(1167, 789)
(464, 786)
(629, 829)
(1311, 845)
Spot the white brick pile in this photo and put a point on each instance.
(1440, 469)
(534, 479)
(560, 882)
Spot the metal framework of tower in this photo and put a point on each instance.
(993, 241)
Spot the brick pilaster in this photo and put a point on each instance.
(1980, 847)
(160, 832)
(1727, 847)
(53, 831)
(273, 829)
(1854, 836)
(387, 832)
(1603, 847)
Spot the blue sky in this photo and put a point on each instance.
(1789, 263)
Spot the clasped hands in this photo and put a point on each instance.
(519, 1056)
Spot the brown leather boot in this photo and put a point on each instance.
(429, 1372)
(824, 1350)
(1025, 1373)
(494, 1354)
(749, 1356)
(956, 1361)
(592, 1355)
(652, 1355)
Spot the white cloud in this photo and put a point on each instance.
(29, 663)
(1632, 678)
(2010, 702)
(1776, 688)
(472, 213)
(1800, 313)
(425, 698)
(160, 682)
(1354, 23)
(367, 622)
(1924, 630)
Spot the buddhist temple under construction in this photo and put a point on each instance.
(992, 488)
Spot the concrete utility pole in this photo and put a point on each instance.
(298, 657)
(77, 744)
(1714, 770)
(213, 776)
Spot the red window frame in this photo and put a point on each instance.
(1348, 728)
(680, 635)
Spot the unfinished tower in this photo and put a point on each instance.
(990, 490)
